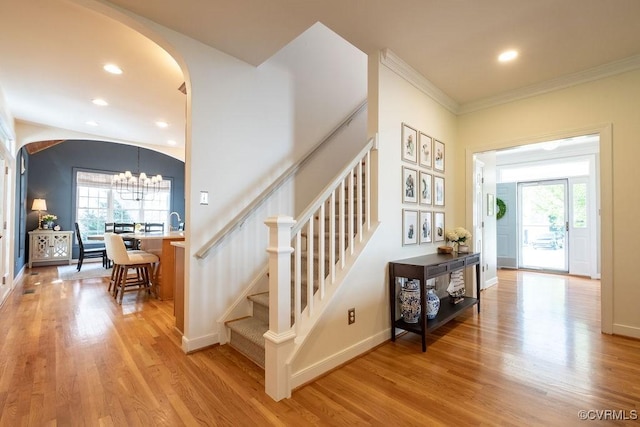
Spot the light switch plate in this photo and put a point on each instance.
(204, 197)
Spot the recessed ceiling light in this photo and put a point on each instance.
(508, 55)
(162, 124)
(100, 101)
(112, 68)
(171, 142)
(92, 123)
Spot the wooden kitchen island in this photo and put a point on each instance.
(178, 279)
(160, 244)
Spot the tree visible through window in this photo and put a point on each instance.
(97, 203)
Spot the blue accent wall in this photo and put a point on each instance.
(49, 175)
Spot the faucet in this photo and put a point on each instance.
(172, 228)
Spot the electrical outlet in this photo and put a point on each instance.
(351, 315)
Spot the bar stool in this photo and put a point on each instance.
(115, 272)
(123, 262)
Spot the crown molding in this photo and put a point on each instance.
(596, 73)
(404, 70)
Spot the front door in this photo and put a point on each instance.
(543, 225)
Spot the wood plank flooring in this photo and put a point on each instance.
(71, 356)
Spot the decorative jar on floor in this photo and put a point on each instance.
(433, 304)
(410, 301)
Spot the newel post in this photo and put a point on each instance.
(279, 339)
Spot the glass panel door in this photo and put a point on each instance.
(543, 225)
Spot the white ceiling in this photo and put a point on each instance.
(51, 51)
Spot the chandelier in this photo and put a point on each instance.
(131, 187)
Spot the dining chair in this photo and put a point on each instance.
(123, 262)
(126, 227)
(151, 227)
(109, 251)
(99, 252)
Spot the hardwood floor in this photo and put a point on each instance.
(71, 356)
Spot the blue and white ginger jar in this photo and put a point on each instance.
(433, 304)
(410, 301)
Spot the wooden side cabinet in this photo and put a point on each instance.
(50, 246)
(424, 268)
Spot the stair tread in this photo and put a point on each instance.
(251, 328)
(261, 298)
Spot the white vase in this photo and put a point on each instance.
(463, 249)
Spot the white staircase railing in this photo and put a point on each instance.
(337, 220)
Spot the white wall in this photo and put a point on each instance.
(610, 107)
(366, 288)
(29, 132)
(245, 126)
(327, 74)
(7, 146)
(7, 131)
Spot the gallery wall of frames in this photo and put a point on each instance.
(423, 187)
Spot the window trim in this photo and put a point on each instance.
(74, 193)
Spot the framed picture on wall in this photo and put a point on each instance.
(438, 189)
(409, 184)
(426, 229)
(409, 227)
(425, 195)
(438, 226)
(438, 156)
(425, 150)
(409, 144)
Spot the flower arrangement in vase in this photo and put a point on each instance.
(48, 221)
(459, 237)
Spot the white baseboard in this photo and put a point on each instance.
(627, 331)
(312, 372)
(4, 295)
(190, 345)
(490, 282)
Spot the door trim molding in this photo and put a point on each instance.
(605, 194)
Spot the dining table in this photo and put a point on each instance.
(158, 243)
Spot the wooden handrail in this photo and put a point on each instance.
(240, 218)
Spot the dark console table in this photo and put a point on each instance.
(427, 267)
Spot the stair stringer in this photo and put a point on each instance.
(305, 330)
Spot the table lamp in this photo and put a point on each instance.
(39, 205)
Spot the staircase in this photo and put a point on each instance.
(324, 238)
(247, 333)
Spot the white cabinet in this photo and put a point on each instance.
(49, 246)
